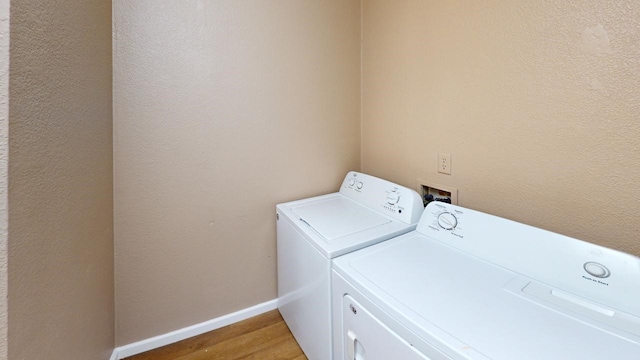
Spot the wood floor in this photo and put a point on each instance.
(264, 337)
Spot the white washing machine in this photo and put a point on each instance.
(467, 285)
(311, 232)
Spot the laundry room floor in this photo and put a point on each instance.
(264, 337)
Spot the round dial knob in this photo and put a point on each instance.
(359, 186)
(352, 181)
(447, 221)
(393, 197)
(597, 270)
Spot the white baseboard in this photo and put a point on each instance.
(114, 355)
(193, 330)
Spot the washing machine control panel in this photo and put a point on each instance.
(383, 196)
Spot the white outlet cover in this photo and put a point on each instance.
(444, 163)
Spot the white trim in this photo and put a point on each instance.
(114, 355)
(191, 331)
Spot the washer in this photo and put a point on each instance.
(311, 232)
(468, 285)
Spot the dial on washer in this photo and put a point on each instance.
(393, 197)
(447, 221)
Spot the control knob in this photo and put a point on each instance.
(393, 197)
(596, 269)
(447, 221)
(352, 182)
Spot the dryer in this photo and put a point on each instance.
(311, 232)
(468, 285)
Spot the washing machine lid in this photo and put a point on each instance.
(338, 216)
(472, 309)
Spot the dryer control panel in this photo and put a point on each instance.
(396, 201)
(444, 220)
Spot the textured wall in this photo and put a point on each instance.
(4, 180)
(221, 110)
(61, 293)
(537, 102)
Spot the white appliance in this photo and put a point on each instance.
(467, 285)
(311, 232)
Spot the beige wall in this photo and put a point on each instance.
(61, 298)
(4, 164)
(537, 102)
(221, 110)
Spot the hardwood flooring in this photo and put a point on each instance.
(264, 337)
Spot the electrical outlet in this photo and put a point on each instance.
(444, 163)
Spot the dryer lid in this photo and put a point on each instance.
(461, 303)
(337, 217)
